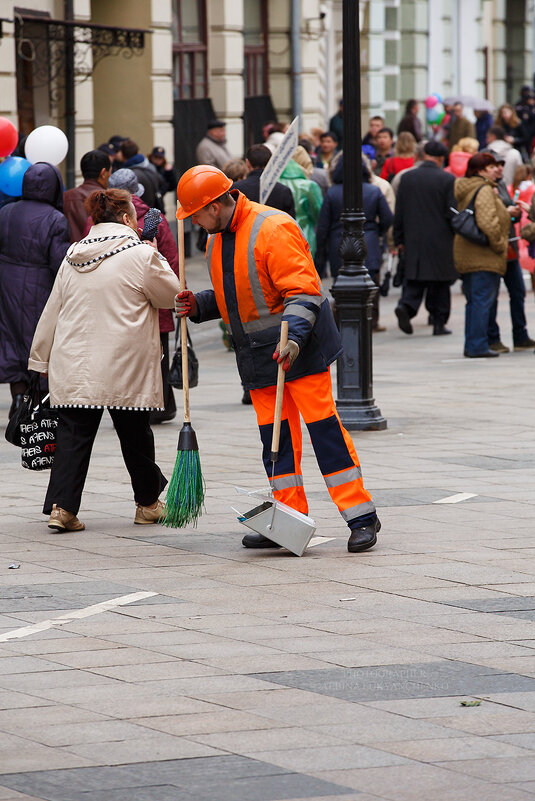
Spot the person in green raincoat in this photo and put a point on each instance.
(307, 197)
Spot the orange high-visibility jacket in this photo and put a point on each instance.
(262, 272)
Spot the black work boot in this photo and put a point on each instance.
(363, 538)
(258, 541)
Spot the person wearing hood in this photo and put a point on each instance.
(98, 340)
(126, 179)
(34, 237)
(307, 200)
(146, 172)
(379, 218)
(481, 266)
(499, 148)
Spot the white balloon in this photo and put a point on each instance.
(46, 143)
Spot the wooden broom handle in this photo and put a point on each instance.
(183, 322)
(280, 392)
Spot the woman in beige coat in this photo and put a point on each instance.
(98, 340)
(481, 266)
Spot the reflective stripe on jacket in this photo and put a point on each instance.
(262, 272)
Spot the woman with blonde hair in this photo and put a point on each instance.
(460, 155)
(403, 158)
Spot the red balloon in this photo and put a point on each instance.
(9, 137)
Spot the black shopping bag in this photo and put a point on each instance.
(33, 429)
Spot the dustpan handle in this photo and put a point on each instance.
(279, 397)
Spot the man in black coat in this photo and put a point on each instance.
(424, 237)
(281, 197)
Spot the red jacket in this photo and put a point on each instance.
(395, 164)
(166, 246)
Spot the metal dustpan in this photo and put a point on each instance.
(278, 522)
(274, 519)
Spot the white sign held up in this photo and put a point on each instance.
(279, 160)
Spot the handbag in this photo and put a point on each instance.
(399, 275)
(33, 427)
(464, 223)
(527, 232)
(175, 371)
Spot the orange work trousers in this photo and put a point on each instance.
(312, 398)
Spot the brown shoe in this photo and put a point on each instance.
(498, 347)
(378, 329)
(145, 515)
(61, 520)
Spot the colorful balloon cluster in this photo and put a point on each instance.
(434, 110)
(46, 143)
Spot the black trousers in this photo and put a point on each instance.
(76, 433)
(437, 298)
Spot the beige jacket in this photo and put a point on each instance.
(209, 151)
(98, 337)
(491, 218)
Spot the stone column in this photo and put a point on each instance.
(162, 76)
(8, 80)
(225, 66)
(413, 54)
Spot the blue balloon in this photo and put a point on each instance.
(438, 97)
(11, 174)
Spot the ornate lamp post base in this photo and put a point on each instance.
(355, 404)
(353, 289)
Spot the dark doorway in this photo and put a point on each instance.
(257, 111)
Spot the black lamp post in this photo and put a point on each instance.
(353, 289)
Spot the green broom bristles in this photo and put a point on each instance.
(185, 494)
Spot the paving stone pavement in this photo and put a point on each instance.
(258, 676)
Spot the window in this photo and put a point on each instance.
(255, 30)
(189, 49)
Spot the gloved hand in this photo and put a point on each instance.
(185, 304)
(287, 355)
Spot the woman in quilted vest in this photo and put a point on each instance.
(481, 266)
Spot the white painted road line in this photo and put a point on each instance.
(319, 540)
(95, 609)
(460, 496)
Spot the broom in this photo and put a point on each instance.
(185, 494)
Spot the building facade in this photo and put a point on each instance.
(157, 70)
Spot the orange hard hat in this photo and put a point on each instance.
(198, 187)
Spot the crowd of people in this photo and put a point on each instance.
(63, 252)
(413, 188)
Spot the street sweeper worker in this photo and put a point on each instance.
(262, 273)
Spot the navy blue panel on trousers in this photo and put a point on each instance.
(329, 445)
(285, 463)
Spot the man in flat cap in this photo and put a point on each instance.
(212, 149)
(424, 237)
